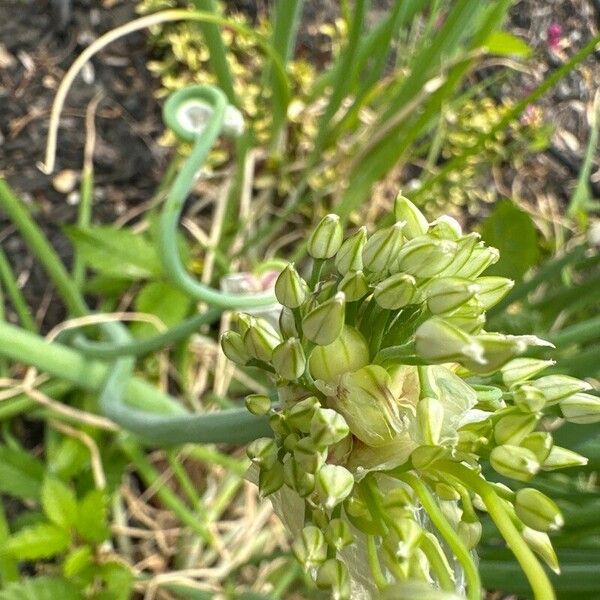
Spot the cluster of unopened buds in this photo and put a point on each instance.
(392, 403)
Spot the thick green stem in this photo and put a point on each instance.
(540, 584)
(84, 217)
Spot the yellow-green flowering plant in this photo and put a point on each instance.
(396, 412)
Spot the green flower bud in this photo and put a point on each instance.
(310, 548)
(557, 387)
(488, 397)
(446, 228)
(258, 404)
(369, 407)
(290, 289)
(301, 414)
(561, 458)
(349, 256)
(278, 423)
(395, 291)
(308, 455)
(326, 239)
(581, 408)
(541, 544)
(522, 369)
(424, 456)
(290, 441)
(328, 427)
(233, 348)
(270, 480)
(408, 535)
(448, 293)
(424, 257)
(481, 258)
(529, 398)
(537, 511)
(338, 534)
(288, 359)
(295, 477)
(382, 247)
(498, 349)
(465, 246)
(470, 533)
(512, 429)
(514, 462)
(360, 517)
(323, 325)
(436, 340)
(244, 322)
(287, 323)
(540, 443)
(446, 492)
(469, 317)
(430, 416)
(492, 290)
(333, 576)
(262, 452)
(333, 485)
(260, 339)
(348, 353)
(354, 285)
(416, 223)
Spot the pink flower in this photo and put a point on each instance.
(554, 35)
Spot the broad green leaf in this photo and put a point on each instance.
(512, 231)
(163, 300)
(76, 561)
(41, 588)
(21, 474)
(43, 540)
(118, 580)
(68, 458)
(115, 252)
(59, 502)
(506, 44)
(91, 522)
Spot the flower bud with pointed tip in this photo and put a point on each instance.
(328, 427)
(347, 353)
(424, 257)
(382, 247)
(333, 576)
(581, 408)
(514, 462)
(416, 223)
(349, 256)
(354, 285)
(519, 370)
(295, 477)
(300, 415)
(310, 548)
(288, 359)
(470, 533)
(258, 404)
(333, 485)
(290, 289)
(492, 290)
(537, 511)
(446, 294)
(287, 323)
(541, 544)
(395, 291)
(424, 456)
(234, 349)
(481, 258)
(540, 443)
(498, 349)
(562, 458)
(323, 325)
(262, 452)
(430, 416)
(290, 441)
(512, 429)
(338, 534)
(464, 249)
(308, 455)
(270, 480)
(529, 398)
(278, 423)
(557, 387)
(260, 339)
(326, 239)
(436, 340)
